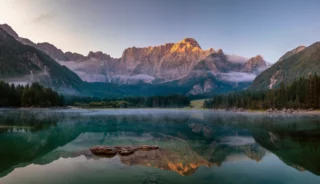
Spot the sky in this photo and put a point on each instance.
(242, 27)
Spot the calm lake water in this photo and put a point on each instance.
(52, 147)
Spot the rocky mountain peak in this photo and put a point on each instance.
(187, 45)
(72, 56)
(255, 64)
(98, 55)
(258, 58)
(211, 50)
(190, 41)
(220, 52)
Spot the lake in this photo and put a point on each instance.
(52, 146)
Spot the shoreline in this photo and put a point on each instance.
(233, 110)
(271, 111)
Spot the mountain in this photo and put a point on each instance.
(300, 62)
(182, 67)
(23, 64)
(171, 63)
(165, 63)
(183, 64)
(158, 64)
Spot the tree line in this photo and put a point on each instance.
(171, 101)
(300, 94)
(33, 95)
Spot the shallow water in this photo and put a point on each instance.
(52, 147)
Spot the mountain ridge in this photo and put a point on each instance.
(165, 65)
(295, 64)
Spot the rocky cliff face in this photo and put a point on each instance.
(166, 62)
(254, 65)
(72, 56)
(181, 58)
(144, 60)
(158, 64)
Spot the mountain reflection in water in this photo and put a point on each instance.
(188, 140)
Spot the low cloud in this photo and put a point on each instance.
(237, 77)
(237, 59)
(143, 77)
(90, 66)
(91, 77)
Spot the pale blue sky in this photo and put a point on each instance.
(242, 27)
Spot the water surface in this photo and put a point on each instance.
(52, 147)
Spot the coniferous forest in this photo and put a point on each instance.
(170, 101)
(33, 95)
(301, 94)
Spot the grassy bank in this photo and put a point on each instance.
(196, 104)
